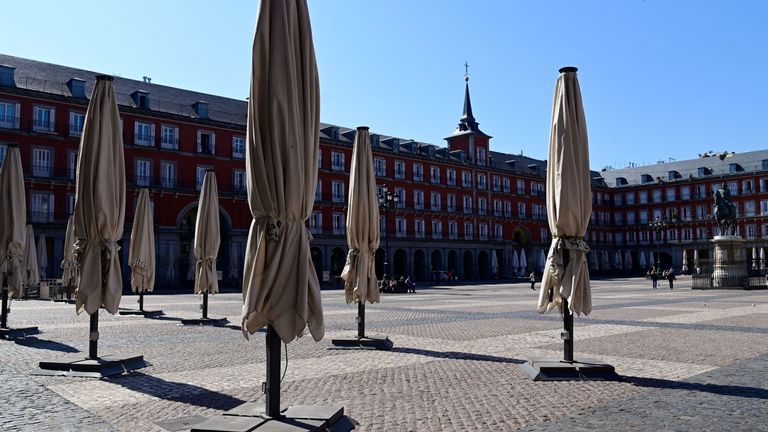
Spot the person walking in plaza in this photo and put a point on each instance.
(532, 277)
(671, 278)
(409, 285)
(654, 278)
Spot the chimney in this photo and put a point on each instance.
(7, 76)
(201, 109)
(77, 88)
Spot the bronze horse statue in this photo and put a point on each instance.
(725, 211)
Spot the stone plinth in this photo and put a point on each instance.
(730, 269)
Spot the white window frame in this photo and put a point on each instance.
(42, 162)
(76, 123)
(399, 169)
(337, 161)
(143, 134)
(453, 230)
(337, 191)
(44, 125)
(316, 223)
(418, 200)
(238, 181)
(238, 147)
(380, 166)
(418, 228)
(467, 201)
(450, 175)
(212, 135)
(9, 115)
(143, 172)
(435, 201)
(437, 229)
(469, 229)
(41, 205)
(434, 174)
(169, 137)
(401, 229)
(418, 172)
(339, 227)
(168, 178)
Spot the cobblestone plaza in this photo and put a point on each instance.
(691, 360)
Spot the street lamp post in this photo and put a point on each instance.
(387, 200)
(658, 225)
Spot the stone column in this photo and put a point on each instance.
(730, 262)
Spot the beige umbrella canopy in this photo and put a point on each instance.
(69, 273)
(192, 263)
(569, 201)
(13, 219)
(29, 259)
(141, 255)
(42, 257)
(207, 236)
(362, 225)
(100, 203)
(280, 286)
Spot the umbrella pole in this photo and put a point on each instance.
(4, 320)
(361, 319)
(567, 333)
(141, 301)
(205, 305)
(93, 342)
(272, 390)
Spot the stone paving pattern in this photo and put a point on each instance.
(691, 360)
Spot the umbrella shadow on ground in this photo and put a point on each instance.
(176, 391)
(718, 389)
(33, 342)
(457, 355)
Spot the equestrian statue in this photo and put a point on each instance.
(725, 211)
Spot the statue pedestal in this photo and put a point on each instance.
(730, 270)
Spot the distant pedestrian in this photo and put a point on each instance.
(671, 278)
(654, 278)
(532, 277)
(409, 285)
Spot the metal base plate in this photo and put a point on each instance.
(559, 370)
(18, 332)
(79, 366)
(369, 342)
(204, 321)
(250, 417)
(144, 313)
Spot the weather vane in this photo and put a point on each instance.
(466, 71)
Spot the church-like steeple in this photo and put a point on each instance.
(467, 122)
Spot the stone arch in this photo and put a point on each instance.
(317, 261)
(521, 236)
(419, 265)
(185, 223)
(469, 265)
(483, 265)
(399, 263)
(436, 260)
(380, 260)
(453, 261)
(338, 259)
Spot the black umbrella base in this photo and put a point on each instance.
(18, 332)
(560, 370)
(144, 313)
(368, 342)
(205, 321)
(79, 366)
(250, 417)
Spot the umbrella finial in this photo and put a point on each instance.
(568, 69)
(104, 77)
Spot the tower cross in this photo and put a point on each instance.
(466, 68)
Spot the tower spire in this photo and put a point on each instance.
(467, 122)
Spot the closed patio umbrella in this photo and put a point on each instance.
(234, 267)
(565, 286)
(207, 240)
(627, 260)
(515, 263)
(754, 258)
(42, 257)
(641, 260)
(359, 274)
(280, 286)
(192, 259)
(652, 260)
(523, 262)
(141, 255)
(13, 219)
(606, 263)
(617, 264)
(494, 262)
(69, 269)
(29, 260)
(762, 258)
(170, 264)
(685, 261)
(542, 260)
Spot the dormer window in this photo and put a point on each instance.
(141, 99)
(621, 181)
(77, 88)
(765, 164)
(734, 168)
(201, 109)
(375, 140)
(7, 76)
(704, 171)
(646, 178)
(672, 175)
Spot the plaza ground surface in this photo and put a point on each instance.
(691, 360)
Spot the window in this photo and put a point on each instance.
(466, 179)
(400, 229)
(521, 210)
(316, 223)
(451, 176)
(238, 181)
(143, 134)
(3, 148)
(418, 172)
(685, 214)
(418, 228)
(749, 208)
(70, 204)
(319, 190)
(169, 137)
(750, 231)
(497, 211)
(482, 206)
(399, 169)
(418, 200)
(319, 159)
(337, 161)
(468, 230)
(618, 219)
(380, 167)
(643, 197)
(701, 212)
(467, 204)
(656, 195)
(617, 199)
(630, 198)
(71, 164)
(481, 152)
(76, 122)
(200, 176)
(435, 201)
(544, 234)
(437, 229)
(764, 184)
(747, 186)
(434, 174)
(453, 230)
(44, 119)
(701, 191)
(507, 209)
(238, 147)
(451, 203)
(496, 183)
(763, 207)
(400, 192)
(733, 187)
(337, 189)
(483, 230)
(481, 182)
(9, 115)
(506, 185)
(671, 194)
(338, 224)
(143, 172)
(42, 207)
(206, 142)
(498, 232)
(168, 174)
(520, 187)
(643, 217)
(42, 162)
(685, 192)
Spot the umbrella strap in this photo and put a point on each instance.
(567, 237)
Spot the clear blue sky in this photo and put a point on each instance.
(660, 79)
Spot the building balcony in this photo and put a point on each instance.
(41, 217)
(169, 143)
(9, 122)
(44, 126)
